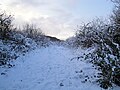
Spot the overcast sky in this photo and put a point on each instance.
(57, 18)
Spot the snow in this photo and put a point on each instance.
(49, 68)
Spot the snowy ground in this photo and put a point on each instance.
(49, 68)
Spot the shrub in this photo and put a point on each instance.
(5, 26)
(32, 32)
(107, 53)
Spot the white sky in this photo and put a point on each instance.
(57, 18)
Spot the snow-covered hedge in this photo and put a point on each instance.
(14, 42)
(106, 56)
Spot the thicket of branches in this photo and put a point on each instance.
(14, 42)
(105, 36)
(5, 25)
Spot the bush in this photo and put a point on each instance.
(91, 33)
(107, 53)
(14, 42)
(32, 32)
(5, 26)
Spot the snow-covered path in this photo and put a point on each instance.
(48, 68)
